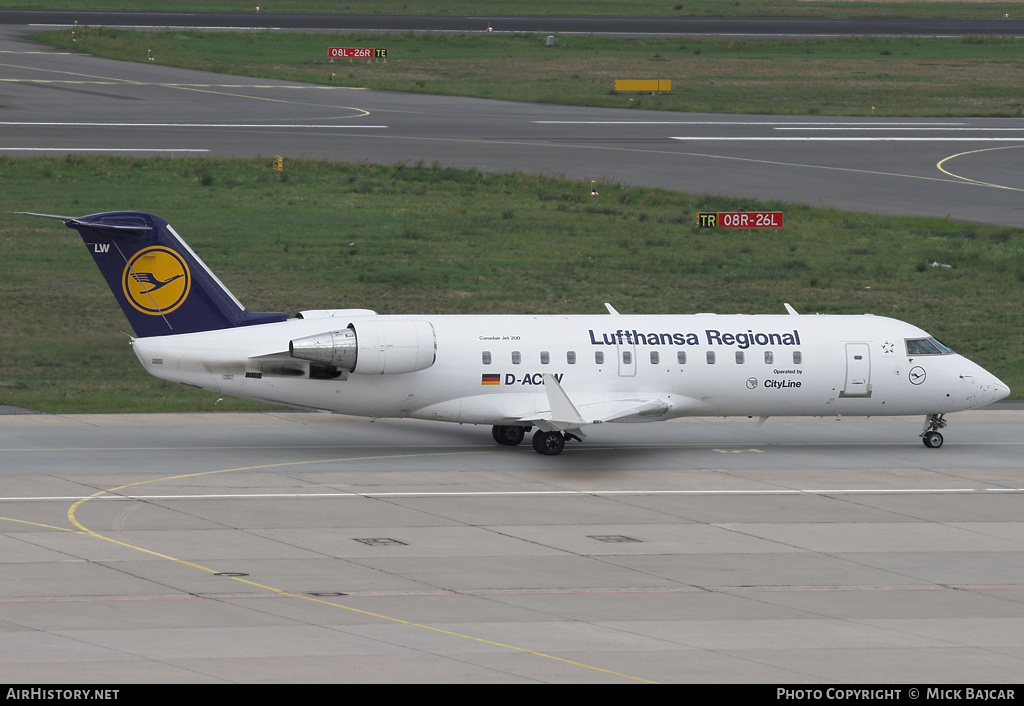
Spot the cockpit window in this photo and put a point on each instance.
(927, 346)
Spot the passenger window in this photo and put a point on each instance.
(739, 357)
(599, 357)
(516, 358)
(655, 358)
(769, 358)
(545, 358)
(798, 357)
(627, 358)
(570, 357)
(681, 357)
(486, 357)
(711, 357)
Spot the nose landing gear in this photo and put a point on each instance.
(931, 436)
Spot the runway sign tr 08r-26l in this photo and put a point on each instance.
(753, 219)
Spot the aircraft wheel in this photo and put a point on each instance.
(508, 435)
(932, 439)
(548, 443)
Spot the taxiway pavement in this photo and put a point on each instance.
(54, 103)
(287, 547)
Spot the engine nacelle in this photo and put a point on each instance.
(372, 347)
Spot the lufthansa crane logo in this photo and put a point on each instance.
(156, 281)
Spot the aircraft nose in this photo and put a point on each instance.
(999, 390)
(983, 387)
(992, 387)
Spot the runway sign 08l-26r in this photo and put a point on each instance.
(356, 53)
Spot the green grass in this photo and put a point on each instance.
(851, 76)
(424, 239)
(568, 8)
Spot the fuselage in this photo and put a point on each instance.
(490, 369)
(552, 374)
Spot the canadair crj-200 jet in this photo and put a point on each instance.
(557, 374)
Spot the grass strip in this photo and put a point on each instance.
(859, 76)
(978, 9)
(425, 239)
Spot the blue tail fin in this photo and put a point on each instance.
(162, 286)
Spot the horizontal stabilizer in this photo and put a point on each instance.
(96, 222)
(79, 224)
(44, 215)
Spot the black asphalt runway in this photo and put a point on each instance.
(58, 103)
(617, 26)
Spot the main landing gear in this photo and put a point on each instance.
(509, 436)
(547, 443)
(931, 436)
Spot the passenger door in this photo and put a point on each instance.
(858, 371)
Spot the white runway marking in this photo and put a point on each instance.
(902, 127)
(204, 125)
(97, 149)
(703, 138)
(770, 123)
(521, 493)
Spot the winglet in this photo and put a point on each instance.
(564, 414)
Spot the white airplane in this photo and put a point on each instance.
(558, 374)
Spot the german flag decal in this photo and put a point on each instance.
(490, 379)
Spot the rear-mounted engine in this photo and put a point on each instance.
(372, 347)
